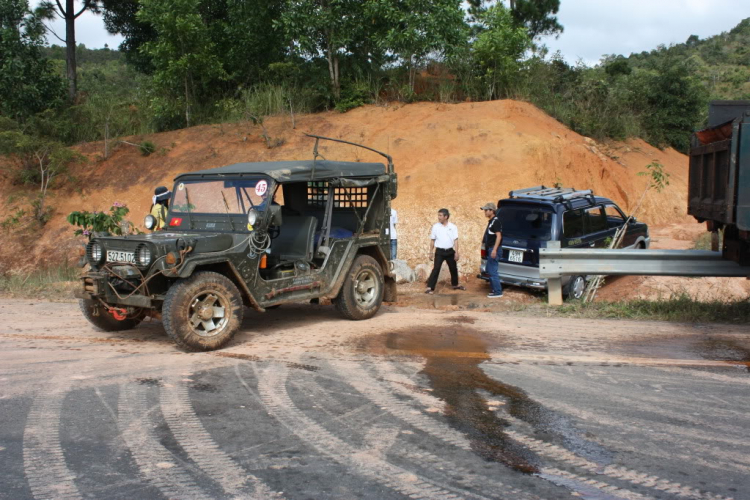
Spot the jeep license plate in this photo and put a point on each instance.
(115, 256)
(515, 256)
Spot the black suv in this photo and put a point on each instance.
(533, 217)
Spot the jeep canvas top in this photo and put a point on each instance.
(249, 234)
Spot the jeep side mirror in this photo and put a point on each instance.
(276, 219)
(633, 220)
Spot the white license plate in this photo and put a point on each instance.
(515, 256)
(115, 256)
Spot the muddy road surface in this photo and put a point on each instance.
(411, 404)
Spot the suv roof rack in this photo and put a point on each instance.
(553, 194)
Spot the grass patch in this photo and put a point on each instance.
(680, 308)
(704, 241)
(56, 282)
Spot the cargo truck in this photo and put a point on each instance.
(719, 178)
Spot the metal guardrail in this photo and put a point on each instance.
(556, 262)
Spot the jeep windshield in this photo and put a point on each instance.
(529, 223)
(235, 196)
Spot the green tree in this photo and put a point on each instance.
(675, 98)
(28, 83)
(418, 28)
(323, 27)
(537, 16)
(183, 55)
(498, 47)
(69, 14)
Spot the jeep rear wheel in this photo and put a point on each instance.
(362, 292)
(101, 319)
(203, 312)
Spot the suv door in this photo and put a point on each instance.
(573, 229)
(615, 219)
(599, 233)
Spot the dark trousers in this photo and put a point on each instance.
(448, 256)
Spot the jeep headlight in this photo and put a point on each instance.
(252, 216)
(95, 253)
(143, 256)
(149, 222)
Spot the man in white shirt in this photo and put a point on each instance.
(444, 241)
(394, 236)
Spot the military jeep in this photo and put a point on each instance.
(249, 234)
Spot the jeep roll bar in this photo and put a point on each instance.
(319, 137)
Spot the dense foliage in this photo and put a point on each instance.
(186, 62)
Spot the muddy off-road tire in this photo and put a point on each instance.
(203, 312)
(105, 321)
(362, 292)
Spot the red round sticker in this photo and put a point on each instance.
(261, 187)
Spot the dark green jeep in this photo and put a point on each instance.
(249, 234)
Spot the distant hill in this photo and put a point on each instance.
(722, 61)
(84, 55)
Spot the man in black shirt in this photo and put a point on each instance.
(492, 238)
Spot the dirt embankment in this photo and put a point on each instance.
(457, 156)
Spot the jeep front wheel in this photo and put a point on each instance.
(203, 312)
(362, 292)
(103, 320)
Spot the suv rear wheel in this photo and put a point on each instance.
(362, 292)
(203, 312)
(575, 288)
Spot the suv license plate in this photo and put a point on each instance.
(515, 256)
(115, 256)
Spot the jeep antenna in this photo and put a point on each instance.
(190, 215)
(226, 207)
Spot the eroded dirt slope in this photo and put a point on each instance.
(456, 156)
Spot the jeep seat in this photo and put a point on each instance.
(296, 240)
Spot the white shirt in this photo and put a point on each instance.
(444, 236)
(394, 221)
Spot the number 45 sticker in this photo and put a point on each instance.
(261, 187)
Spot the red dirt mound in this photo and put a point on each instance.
(457, 156)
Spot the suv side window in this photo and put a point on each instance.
(615, 218)
(596, 220)
(573, 223)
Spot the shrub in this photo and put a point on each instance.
(94, 222)
(147, 147)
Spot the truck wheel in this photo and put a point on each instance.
(203, 312)
(105, 321)
(576, 287)
(362, 292)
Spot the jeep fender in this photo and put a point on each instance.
(229, 270)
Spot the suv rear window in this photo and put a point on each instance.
(526, 222)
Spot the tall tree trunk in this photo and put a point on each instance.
(187, 101)
(70, 48)
(333, 71)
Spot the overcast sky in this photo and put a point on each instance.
(592, 27)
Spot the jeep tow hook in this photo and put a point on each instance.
(118, 313)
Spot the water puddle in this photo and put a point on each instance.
(472, 399)
(723, 349)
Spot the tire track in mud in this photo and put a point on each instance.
(561, 454)
(372, 389)
(276, 399)
(190, 434)
(45, 467)
(420, 457)
(154, 461)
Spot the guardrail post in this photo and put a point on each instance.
(554, 285)
(554, 291)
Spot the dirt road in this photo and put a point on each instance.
(411, 404)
